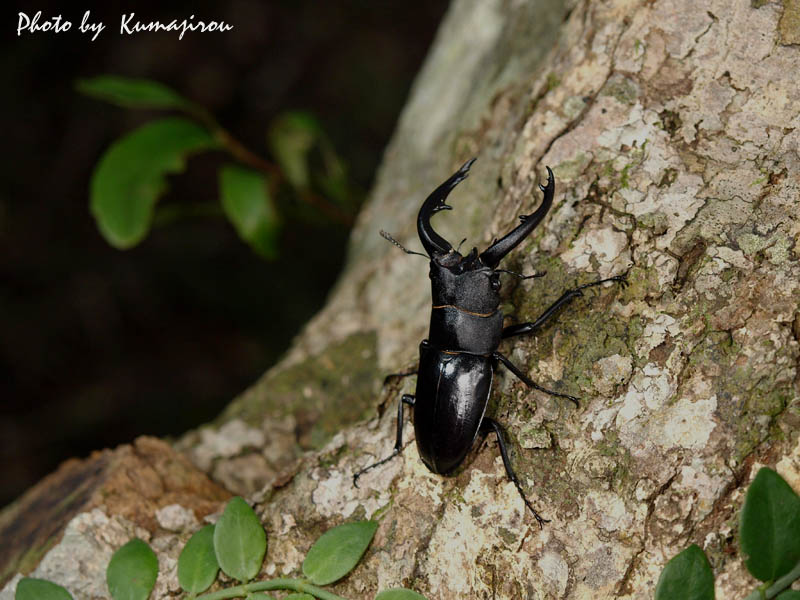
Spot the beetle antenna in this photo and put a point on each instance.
(389, 238)
(542, 274)
(459, 244)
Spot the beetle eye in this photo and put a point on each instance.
(494, 281)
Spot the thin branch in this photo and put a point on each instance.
(249, 158)
(296, 585)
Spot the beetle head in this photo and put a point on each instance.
(465, 282)
(456, 280)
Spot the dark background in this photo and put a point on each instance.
(98, 345)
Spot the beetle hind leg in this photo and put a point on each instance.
(398, 444)
(487, 424)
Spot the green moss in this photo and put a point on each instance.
(609, 445)
(668, 178)
(585, 332)
(553, 81)
(620, 180)
(379, 514)
(324, 393)
(570, 170)
(455, 496)
(780, 251)
(745, 394)
(655, 220)
(589, 338)
(532, 436)
(547, 472)
(331, 459)
(28, 560)
(623, 89)
(789, 24)
(508, 536)
(750, 243)
(623, 178)
(588, 334)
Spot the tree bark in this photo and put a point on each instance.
(673, 131)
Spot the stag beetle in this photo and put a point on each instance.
(458, 360)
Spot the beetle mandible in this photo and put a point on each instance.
(458, 359)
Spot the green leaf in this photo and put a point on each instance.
(770, 527)
(130, 176)
(132, 572)
(299, 597)
(197, 564)
(240, 541)
(399, 594)
(337, 551)
(687, 576)
(789, 595)
(29, 588)
(291, 137)
(131, 93)
(263, 596)
(333, 178)
(246, 202)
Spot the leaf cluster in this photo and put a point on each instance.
(131, 176)
(769, 538)
(236, 544)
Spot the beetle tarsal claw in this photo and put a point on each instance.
(621, 279)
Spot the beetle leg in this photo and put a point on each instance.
(521, 328)
(498, 430)
(392, 376)
(529, 382)
(398, 444)
(521, 276)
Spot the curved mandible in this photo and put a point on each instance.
(492, 256)
(432, 241)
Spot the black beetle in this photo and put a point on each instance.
(457, 361)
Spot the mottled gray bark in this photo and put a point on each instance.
(673, 129)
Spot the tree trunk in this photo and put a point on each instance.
(673, 132)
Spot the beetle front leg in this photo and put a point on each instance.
(529, 382)
(398, 444)
(488, 423)
(566, 297)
